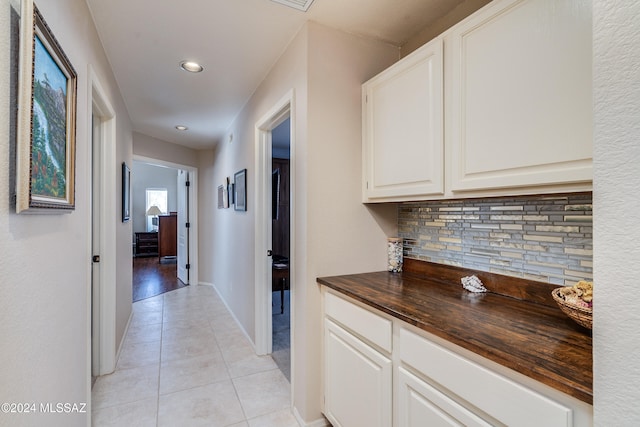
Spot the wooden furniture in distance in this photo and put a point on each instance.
(146, 243)
(279, 276)
(167, 235)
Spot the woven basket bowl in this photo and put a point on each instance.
(582, 316)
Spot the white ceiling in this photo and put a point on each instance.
(237, 41)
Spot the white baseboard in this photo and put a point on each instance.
(253, 344)
(124, 337)
(321, 422)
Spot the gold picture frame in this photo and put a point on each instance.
(46, 128)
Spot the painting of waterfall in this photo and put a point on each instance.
(48, 145)
(47, 105)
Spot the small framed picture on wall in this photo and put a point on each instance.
(240, 190)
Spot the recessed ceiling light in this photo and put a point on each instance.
(191, 66)
(182, 127)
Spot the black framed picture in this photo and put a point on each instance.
(240, 190)
(126, 192)
(230, 191)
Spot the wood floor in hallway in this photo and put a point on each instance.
(152, 278)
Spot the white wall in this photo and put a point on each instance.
(461, 11)
(230, 250)
(326, 69)
(44, 259)
(342, 234)
(207, 208)
(616, 324)
(143, 176)
(154, 148)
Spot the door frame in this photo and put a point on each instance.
(284, 108)
(105, 300)
(185, 216)
(193, 209)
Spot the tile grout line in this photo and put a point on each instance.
(224, 360)
(160, 365)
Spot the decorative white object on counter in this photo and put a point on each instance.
(394, 252)
(473, 284)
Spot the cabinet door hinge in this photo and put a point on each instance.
(187, 183)
(188, 266)
(188, 225)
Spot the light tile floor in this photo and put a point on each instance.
(185, 362)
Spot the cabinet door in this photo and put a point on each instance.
(518, 96)
(420, 404)
(403, 128)
(358, 385)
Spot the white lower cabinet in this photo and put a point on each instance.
(465, 388)
(420, 404)
(358, 381)
(382, 372)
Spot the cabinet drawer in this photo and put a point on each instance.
(507, 401)
(375, 329)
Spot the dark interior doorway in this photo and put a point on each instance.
(280, 243)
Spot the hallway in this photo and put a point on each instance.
(185, 362)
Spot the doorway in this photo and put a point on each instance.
(266, 300)
(169, 263)
(280, 244)
(102, 297)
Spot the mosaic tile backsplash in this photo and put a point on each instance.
(544, 238)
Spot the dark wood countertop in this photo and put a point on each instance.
(534, 339)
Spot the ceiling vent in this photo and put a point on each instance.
(302, 5)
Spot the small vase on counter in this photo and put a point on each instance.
(394, 253)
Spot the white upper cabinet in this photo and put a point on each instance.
(403, 127)
(518, 96)
(516, 78)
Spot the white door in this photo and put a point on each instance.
(183, 230)
(95, 247)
